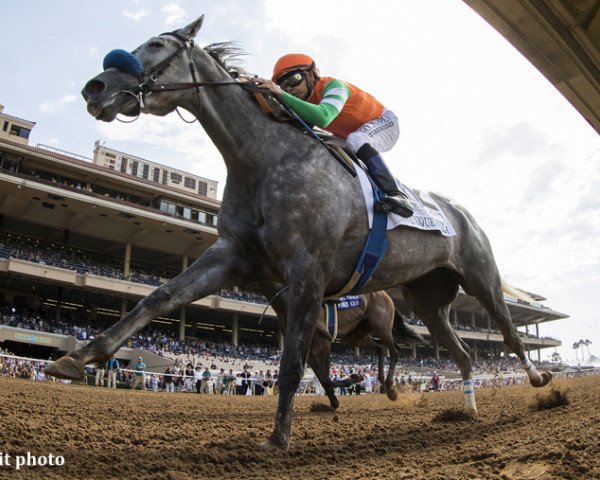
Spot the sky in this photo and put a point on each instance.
(478, 122)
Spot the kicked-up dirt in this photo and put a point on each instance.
(122, 434)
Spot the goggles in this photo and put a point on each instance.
(292, 79)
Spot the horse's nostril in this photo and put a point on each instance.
(94, 87)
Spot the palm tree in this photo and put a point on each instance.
(581, 344)
(587, 346)
(576, 347)
(556, 357)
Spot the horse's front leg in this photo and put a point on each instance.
(304, 306)
(219, 267)
(319, 360)
(319, 357)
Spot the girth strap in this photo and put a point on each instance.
(372, 253)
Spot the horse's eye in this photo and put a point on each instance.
(155, 45)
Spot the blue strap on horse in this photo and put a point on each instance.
(332, 307)
(331, 319)
(375, 247)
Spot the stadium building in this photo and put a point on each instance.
(86, 238)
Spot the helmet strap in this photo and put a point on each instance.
(311, 85)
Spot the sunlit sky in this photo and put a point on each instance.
(479, 123)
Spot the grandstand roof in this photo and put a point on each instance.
(561, 38)
(521, 312)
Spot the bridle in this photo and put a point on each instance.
(149, 77)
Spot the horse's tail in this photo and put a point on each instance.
(512, 291)
(403, 333)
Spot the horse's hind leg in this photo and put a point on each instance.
(381, 315)
(429, 298)
(488, 291)
(214, 270)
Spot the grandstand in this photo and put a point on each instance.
(83, 239)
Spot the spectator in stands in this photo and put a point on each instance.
(154, 383)
(99, 375)
(219, 383)
(205, 380)
(168, 379)
(198, 378)
(139, 377)
(188, 378)
(112, 367)
(259, 378)
(367, 382)
(246, 382)
(435, 382)
(268, 383)
(229, 383)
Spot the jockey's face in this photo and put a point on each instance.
(302, 89)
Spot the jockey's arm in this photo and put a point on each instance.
(335, 95)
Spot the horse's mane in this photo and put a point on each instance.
(227, 54)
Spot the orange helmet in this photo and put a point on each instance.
(290, 63)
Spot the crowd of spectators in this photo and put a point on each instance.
(474, 328)
(192, 355)
(87, 263)
(77, 260)
(151, 338)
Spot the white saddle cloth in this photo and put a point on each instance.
(427, 216)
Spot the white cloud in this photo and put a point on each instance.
(520, 140)
(70, 98)
(173, 13)
(47, 107)
(56, 106)
(136, 16)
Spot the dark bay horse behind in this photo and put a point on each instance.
(374, 323)
(290, 215)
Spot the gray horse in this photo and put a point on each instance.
(290, 215)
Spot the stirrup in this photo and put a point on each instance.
(395, 204)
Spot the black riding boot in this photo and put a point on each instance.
(395, 201)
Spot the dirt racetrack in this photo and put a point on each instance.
(105, 434)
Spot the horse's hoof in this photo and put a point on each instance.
(392, 394)
(273, 443)
(471, 412)
(545, 378)
(66, 367)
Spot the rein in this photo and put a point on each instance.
(149, 77)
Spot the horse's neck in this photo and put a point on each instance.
(235, 126)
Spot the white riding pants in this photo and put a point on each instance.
(381, 133)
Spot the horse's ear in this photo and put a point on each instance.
(191, 30)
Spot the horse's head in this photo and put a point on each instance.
(128, 84)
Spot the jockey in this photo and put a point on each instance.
(348, 112)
